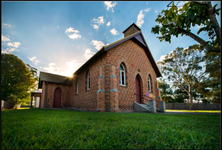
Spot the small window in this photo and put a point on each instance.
(77, 86)
(88, 81)
(149, 83)
(122, 75)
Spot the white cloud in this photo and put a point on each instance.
(114, 31)
(14, 44)
(96, 27)
(57, 26)
(140, 17)
(110, 5)
(70, 29)
(74, 33)
(74, 36)
(98, 44)
(33, 59)
(88, 53)
(4, 39)
(71, 67)
(108, 23)
(8, 50)
(162, 57)
(98, 22)
(140, 20)
(52, 68)
(6, 25)
(147, 10)
(155, 11)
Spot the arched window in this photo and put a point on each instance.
(149, 83)
(88, 81)
(122, 75)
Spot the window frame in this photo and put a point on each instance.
(149, 83)
(88, 81)
(77, 91)
(124, 75)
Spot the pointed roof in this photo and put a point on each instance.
(136, 37)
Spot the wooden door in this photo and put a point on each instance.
(57, 98)
(138, 90)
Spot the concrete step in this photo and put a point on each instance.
(140, 107)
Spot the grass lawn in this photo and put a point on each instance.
(66, 129)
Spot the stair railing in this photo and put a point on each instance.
(145, 98)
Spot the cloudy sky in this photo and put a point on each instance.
(58, 37)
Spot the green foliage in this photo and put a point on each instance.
(16, 78)
(180, 96)
(12, 101)
(177, 21)
(62, 129)
(185, 68)
(166, 91)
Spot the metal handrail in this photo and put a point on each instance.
(144, 98)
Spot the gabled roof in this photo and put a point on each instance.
(53, 78)
(136, 37)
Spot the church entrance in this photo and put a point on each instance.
(57, 98)
(138, 90)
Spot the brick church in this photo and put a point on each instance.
(110, 81)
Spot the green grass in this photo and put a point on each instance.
(199, 111)
(66, 129)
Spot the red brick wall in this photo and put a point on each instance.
(134, 58)
(87, 99)
(65, 95)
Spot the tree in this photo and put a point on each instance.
(166, 91)
(177, 21)
(180, 96)
(16, 78)
(213, 67)
(185, 68)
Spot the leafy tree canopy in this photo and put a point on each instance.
(185, 67)
(166, 91)
(17, 78)
(178, 21)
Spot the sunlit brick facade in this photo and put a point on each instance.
(105, 93)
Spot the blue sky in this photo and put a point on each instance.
(58, 37)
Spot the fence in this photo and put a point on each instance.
(195, 106)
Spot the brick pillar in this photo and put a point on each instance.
(101, 91)
(114, 94)
(107, 87)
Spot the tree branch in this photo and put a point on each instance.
(199, 40)
(213, 20)
(195, 37)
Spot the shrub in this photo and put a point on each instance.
(12, 101)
